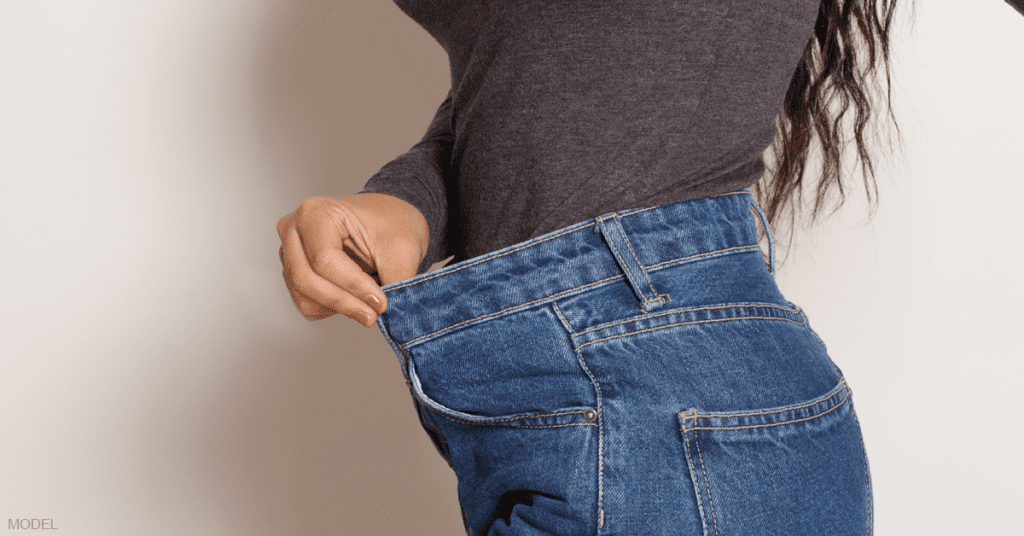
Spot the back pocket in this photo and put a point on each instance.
(794, 470)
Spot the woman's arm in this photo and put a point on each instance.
(395, 228)
(1017, 4)
(422, 177)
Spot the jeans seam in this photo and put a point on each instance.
(600, 420)
(867, 479)
(494, 423)
(600, 439)
(565, 322)
(507, 309)
(504, 422)
(694, 416)
(539, 242)
(645, 209)
(696, 485)
(807, 322)
(767, 261)
(705, 254)
(707, 485)
(690, 323)
(815, 333)
(527, 417)
(681, 311)
(557, 295)
(781, 410)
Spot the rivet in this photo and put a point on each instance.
(590, 415)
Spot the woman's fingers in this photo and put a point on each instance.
(308, 286)
(309, 308)
(333, 246)
(329, 233)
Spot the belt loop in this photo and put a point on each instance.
(627, 260)
(768, 231)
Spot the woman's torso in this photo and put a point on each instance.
(565, 110)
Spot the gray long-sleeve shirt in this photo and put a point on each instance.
(561, 111)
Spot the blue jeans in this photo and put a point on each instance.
(638, 373)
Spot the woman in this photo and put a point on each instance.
(609, 352)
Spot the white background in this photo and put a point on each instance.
(156, 379)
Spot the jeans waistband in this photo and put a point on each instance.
(625, 244)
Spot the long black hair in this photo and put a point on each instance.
(827, 80)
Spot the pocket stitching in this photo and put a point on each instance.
(795, 311)
(690, 323)
(696, 485)
(500, 421)
(692, 416)
(504, 421)
(711, 501)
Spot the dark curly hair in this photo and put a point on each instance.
(829, 71)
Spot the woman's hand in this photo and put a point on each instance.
(331, 246)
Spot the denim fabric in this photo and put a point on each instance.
(638, 373)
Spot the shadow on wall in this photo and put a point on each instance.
(308, 428)
(345, 87)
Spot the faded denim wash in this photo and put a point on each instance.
(638, 373)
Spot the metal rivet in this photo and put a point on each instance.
(590, 415)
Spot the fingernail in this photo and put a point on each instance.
(368, 320)
(377, 305)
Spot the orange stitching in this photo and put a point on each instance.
(525, 417)
(524, 426)
(707, 485)
(568, 326)
(638, 263)
(555, 295)
(842, 387)
(696, 483)
(660, 299)
(688, 415)
(694, 322)
(564, 291)
(537, 416)
(600, 436)
(636, 211)
(681, 311)
(812, 417)
(622, 264)
(680, 259)
(600, 439)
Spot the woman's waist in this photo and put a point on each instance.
(634, 247)
(506, 204)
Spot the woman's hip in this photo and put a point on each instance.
(637, 373)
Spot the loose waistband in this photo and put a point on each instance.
(611, 247)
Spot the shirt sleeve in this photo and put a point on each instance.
(423, 178)
(1017, 4)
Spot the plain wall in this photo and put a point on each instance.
(155, 377)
